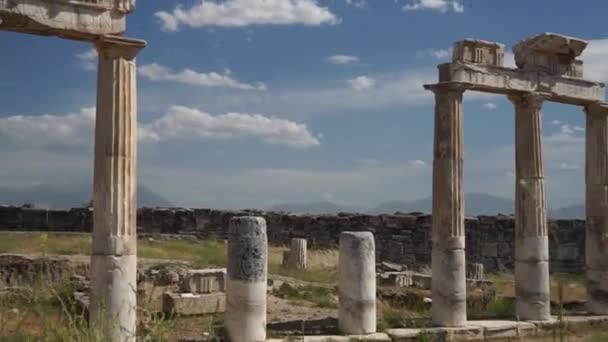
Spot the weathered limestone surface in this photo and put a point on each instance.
(188, 304)
(478, 52)
(475, 271)
(204, 281)
(550, 53)
(113, 258)
(246, 286)
(73, 19)
(357, 283)
(448, 251)
(597, 208)
(531, 239)
(502, 80)
(297, 254)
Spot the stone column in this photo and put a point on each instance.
(297, 254)
(114, 259)
(597, 209)
(357, 283)
(532, 288)
(246, 283)
(448, 253)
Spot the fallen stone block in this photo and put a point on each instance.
(204, 281)
(189, 304)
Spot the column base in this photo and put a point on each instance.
(449, 307)
(532, 290)
(113, 296)
(597, 292)
(245, 316)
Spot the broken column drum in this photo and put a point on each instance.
(246, 283)
(357, 283)
(297, 254)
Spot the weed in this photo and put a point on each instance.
(320, 296)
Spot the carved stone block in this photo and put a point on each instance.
(550, 53)
(478, 52)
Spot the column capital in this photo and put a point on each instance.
(448, 87)
(119, 47)
(534, 100)
(597, 109)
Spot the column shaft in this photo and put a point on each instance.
(448, 253)
(114, 259)
(596, 179)
(532, 288)
(357, 283)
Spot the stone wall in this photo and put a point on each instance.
(402, 238)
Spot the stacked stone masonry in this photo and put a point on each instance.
(400, 238)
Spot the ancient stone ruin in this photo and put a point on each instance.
(113, 258)
(547, 70)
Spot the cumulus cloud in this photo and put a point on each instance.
(362, 83)
(595, 57)
(179, 123)
(87, 60)
(435, 53)
(159, 73)
(417, 163)
(182, 122)
(342, 59)
(489, 106)
(68, 130)
(357, 3)
(240, 13)
(442, 6)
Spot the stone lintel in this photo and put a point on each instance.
(501, 80)
(70, 19)
(119, 47)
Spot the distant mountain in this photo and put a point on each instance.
(570, 212)
(475, 204)
(317, 208)
(55, 196)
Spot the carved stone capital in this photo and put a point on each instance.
(597, 110)
(530, 100)
(447, 87)
(119, 47)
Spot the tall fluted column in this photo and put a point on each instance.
(597, 209)
(448, 253)
(532, 288)
(114, 259)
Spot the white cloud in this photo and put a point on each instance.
(489, 106)
(555, 122)
(188, 123)
(568, 166)
(160, 73)
(362, 83)
(69, 130)
(442, 6)
(595, 57)
(417, 163)
(435, 53)
(87, 60)
(239, 13)
(179, 123)
(343, 59)
(357, 3)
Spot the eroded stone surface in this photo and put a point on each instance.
(74, 19)
(357, 283)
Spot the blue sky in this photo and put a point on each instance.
(250, 103)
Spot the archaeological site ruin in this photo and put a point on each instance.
(377, 256)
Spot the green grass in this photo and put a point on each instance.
(322, 264)
(319, 296)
